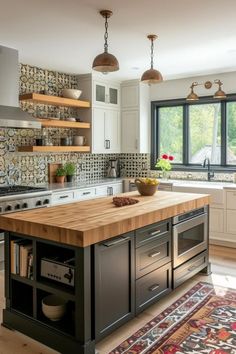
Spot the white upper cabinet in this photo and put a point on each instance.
(106, 131)
(135, 117)
(104, 115)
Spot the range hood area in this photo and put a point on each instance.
(11, 115)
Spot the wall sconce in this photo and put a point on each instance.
(219, 94)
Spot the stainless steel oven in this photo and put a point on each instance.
(190, 231)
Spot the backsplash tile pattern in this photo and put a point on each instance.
(28, 168)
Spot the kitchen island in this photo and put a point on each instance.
(108, 263)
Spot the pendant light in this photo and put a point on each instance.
(151, 76)
(105, 62)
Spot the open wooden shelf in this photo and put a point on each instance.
(54, 148)
(63, 124)
(54, 100)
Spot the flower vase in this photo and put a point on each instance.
(165, 175)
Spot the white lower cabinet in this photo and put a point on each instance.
(83, 194)
(62, 197)
(216, 220)
(106, 130)
(113, 189)
(76, 195)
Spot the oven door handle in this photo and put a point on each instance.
(190, 223)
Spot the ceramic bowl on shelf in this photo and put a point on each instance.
(71, 119)
(54, 307)
(71, 93)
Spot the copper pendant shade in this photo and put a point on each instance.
(151, 76)
(105, 62)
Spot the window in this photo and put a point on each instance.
(195, 131)
(171, 131)
(231, 133)
(204, 133)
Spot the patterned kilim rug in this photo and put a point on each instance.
(201, 321)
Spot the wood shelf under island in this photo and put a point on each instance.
(122, 263)
(53, 100)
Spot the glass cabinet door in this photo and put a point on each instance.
(113, 95)
(100, 93)
(106, 94)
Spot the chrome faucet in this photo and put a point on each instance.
(210, 174)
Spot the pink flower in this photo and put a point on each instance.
(164, 156)
(171, 158)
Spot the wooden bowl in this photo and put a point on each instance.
(145, 189)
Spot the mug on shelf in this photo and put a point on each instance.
(65, 141)
(79, 140)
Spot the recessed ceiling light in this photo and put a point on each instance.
(135, 68)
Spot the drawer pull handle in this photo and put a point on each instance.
(192, 268)
(154, 287)
(84, 193)
(64, 196)
(155, 254)
(116, 242)
(155, 233)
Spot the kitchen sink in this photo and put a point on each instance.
(203, 184)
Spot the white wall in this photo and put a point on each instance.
(180, 88)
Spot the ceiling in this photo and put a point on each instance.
(195, 37)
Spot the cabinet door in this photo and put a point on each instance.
(98, 128)
(112, 131)
(130, 131)
(100, 94)
(114, 284)
(216, 220)
(130, 97)
(231, 222)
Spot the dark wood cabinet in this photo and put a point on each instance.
(153, 286)
(114, 283)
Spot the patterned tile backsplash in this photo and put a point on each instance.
(28, 168)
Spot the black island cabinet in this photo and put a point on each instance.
(107, 284)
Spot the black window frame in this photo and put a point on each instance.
(185, 166)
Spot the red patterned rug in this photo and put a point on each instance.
(201, 321)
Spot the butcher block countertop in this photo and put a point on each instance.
(88, 222)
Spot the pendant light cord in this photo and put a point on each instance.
(106, 35)
(152, 53)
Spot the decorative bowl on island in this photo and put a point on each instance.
(53, 307)
(71, 93)
(146, 186)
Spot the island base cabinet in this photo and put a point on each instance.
(114, 283)
(153, 286)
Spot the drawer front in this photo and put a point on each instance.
(151, 232)
(189, 269)
(153, 255)
(152, 287)
(86, 193)
(231, 200)
(63, 197)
